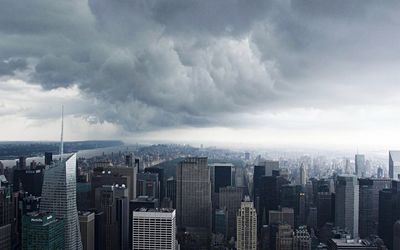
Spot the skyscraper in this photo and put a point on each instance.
(347, 204)
(42, 231)
(6, 216)
(394, 164)
(389, 212)
(231, 199)
(154, 229)
(303, 175)
(360, 165)
(284, 237)
(59, 198)
(148, 185)
(87, 226)
(369, 205)
(396, 235)
(247, 226)
(113, 201)
(221, 175)
(193, 197)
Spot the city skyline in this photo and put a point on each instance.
(283, 73)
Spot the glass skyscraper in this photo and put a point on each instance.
(59, 198)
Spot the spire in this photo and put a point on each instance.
(62, 133)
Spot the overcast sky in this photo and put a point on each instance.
(234, 72)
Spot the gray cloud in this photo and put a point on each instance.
(152, 64)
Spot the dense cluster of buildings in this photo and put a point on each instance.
(260, 204)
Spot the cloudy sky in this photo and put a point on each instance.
(234, 72)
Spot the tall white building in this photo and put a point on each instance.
(247, 226)
(347, 204)
(303, 174)
(154, 229)
(59, 198)
(394, 164)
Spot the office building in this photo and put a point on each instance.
(352, 244)
(160, 172)
(247, 226)
(59, 198)
(154, 229)
(193, 197)
(347, 204)
(6, 213)
(231, 199)
(148, 185)
(396, 235)
(170, 190)
(325, 202)
(221, 222)
(369, 205)
(284, 237)
(221, 175)
(271, 167)
(28, 180)
(87, 226)
(301, 239)
(121, 171)
(292, 196)
(129, 160)
(303, 174)
(283, 216)
(42, 231)
(361, 170)
(48, 158)
(389, 212)
(394, 164)
(113, 201)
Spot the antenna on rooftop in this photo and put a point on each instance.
(62, 133)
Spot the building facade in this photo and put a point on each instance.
(59, 198)
(247, 226)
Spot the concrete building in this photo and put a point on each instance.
(154, 229)
(284, 237)
(247, 226)
(59, 198)
(87, 226)
(394, 164)
(303, 174)
(283, 216)
(347, 204)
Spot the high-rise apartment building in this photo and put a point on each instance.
(59, 198)
(42, 231)
(361, 170)
(193, 197)
(87, 226)
(347, 204)
(394, 164)
(154, 229)
(247, 226)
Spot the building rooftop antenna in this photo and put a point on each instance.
(62, 133)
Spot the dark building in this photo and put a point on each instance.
(104, 178)
(28, 180)
(148, 185)
(6, 213)
(42, 231)
(259, 171)
(231, 198)
(113, 201)
(324, 208)
(129, 160)
(369, 205)
(48, 158)
(389, 213)
(270, 187)
(21, 162)
(222, 176)
(171, 190)
(161, 179)
(290, 196)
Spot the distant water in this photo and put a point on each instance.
(87, 153)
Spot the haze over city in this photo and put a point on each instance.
(262, 73)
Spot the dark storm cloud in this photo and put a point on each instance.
(150, 64)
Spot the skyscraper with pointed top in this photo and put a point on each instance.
(59, 195)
